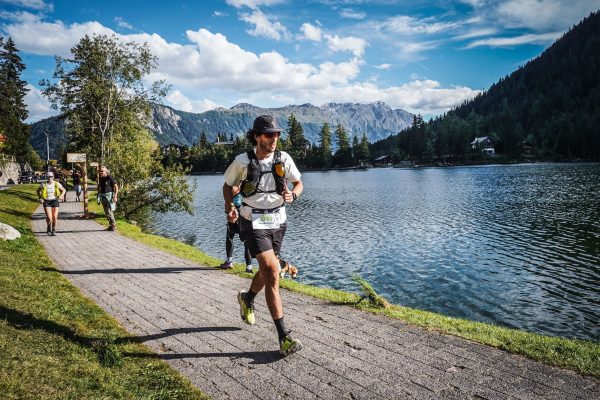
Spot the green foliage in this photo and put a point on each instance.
(100, 88)
(169, 192)
(298, 145)
(133, 156)
(343, 155)
(109, 354)
(325, 148)
(106, 105)
(55, 343)
(369, 293)
(13, 111)
(549, 109)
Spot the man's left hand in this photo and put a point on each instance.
(288, 197)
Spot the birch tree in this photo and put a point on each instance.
(101, 86)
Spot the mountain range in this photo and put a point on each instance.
(169, 125)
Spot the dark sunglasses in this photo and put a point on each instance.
(271, 134)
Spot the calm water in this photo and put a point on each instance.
(517, 246)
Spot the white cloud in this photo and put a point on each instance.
(38, 106)
(212, 63)
(476, 33)
(351, 14)
(311, 32)
(180, 102)
(348, 43)
(220, 71)
(419, 96)
(32, 4)
(544, 15)
(253, 4)
(263, 26)
(410, 51)
(121, 23)
(516, 41)
(383, 66)
(411, 26)
(474, 3)
(219, 14)
(19, 16)
(335, 43)
(51, 38)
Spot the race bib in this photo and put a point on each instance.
(268, 220)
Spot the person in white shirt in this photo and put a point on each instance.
(262, 176)
(49, 193)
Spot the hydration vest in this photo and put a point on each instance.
(45, 190)
(250, 186)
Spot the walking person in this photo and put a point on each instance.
(262, 175)
(49, 193)
(62, 179)
(108, 191)
(76, 184)
(232, 229)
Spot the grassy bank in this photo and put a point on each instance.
(54, 343)
(579, 355)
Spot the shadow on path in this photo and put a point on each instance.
(257, 357)
(181, 331)
(165, 270)
(58, 231)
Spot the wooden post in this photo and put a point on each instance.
(85, 190)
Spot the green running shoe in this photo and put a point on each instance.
(246, 311)
(289, 345)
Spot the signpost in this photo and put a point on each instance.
(80, 159)
(76, 157)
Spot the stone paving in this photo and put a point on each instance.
(188, 314)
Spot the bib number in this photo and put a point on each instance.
(268, 220)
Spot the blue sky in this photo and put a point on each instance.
(424, 56)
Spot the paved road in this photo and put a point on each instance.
(188, 314)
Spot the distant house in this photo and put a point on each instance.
(219, 142)
(485, 144)
(381, 161)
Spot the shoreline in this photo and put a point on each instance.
(544, 348)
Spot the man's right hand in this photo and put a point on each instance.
(232, 216)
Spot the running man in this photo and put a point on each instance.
(262, 175)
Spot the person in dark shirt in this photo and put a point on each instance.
(76, 184)
(62, 179)
(107, 195)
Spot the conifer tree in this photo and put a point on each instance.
(363, 153)
(296, 139)
(343, 155)
(325, 148)
(13, 111)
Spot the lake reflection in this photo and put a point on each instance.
(514, 245)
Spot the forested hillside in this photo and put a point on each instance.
(549, 109)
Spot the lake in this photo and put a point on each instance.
(515, 245)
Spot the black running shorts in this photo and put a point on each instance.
(261, 240)
(51, 203)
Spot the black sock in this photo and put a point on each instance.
(249, 297)
(280, 325)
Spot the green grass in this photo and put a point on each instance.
(55, 343)
(579, 355)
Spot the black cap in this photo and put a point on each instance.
(265, 124)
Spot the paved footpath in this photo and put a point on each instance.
(188, 314)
